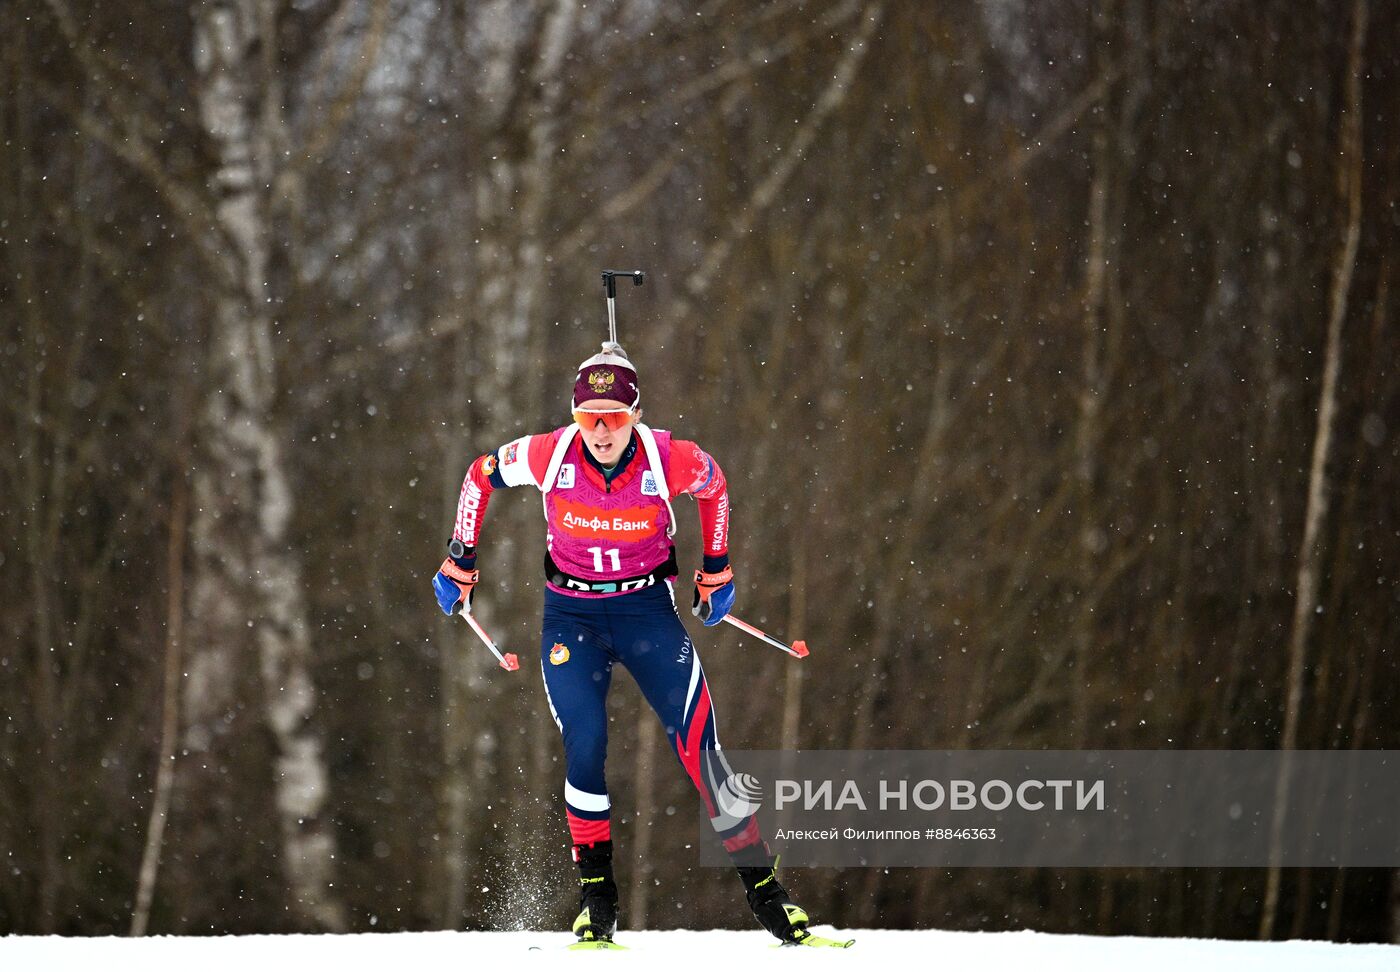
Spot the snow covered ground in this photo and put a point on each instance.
(886, 951)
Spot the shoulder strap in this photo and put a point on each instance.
(551, 472)
(658, 473)
(557, 459)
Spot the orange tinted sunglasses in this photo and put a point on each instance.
(612, 418)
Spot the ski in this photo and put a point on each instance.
(601, 945)
(816, 941)
(598, 945)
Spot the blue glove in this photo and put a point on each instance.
(714, 596)
(453, 585)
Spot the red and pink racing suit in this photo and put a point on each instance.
(608, 536)
(602, 530)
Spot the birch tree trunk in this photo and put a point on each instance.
(1349, 165)
(247, 588)
(511, 203)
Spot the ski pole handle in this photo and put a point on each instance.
(798, 649)
(508, 660)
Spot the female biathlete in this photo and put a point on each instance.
(610, 565)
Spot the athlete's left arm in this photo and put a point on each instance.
(693, 470)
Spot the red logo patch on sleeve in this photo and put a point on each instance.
(704, 472)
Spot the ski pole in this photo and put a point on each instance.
(508, 661)
(610, 291)
(798, 649)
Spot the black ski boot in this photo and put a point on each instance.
(771, 904)
(597, 916)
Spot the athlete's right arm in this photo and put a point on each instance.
(483, 477)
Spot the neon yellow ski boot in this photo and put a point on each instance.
(597, 917)
(776, 911)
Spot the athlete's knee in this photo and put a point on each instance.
(585, 745)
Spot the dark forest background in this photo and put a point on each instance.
(1049, 347)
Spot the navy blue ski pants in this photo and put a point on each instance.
(583, 638)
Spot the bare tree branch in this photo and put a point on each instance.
(188, 206)
(338, 113)
(1349, 173)
(763, 195)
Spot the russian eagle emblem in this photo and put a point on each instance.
(601, 381)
